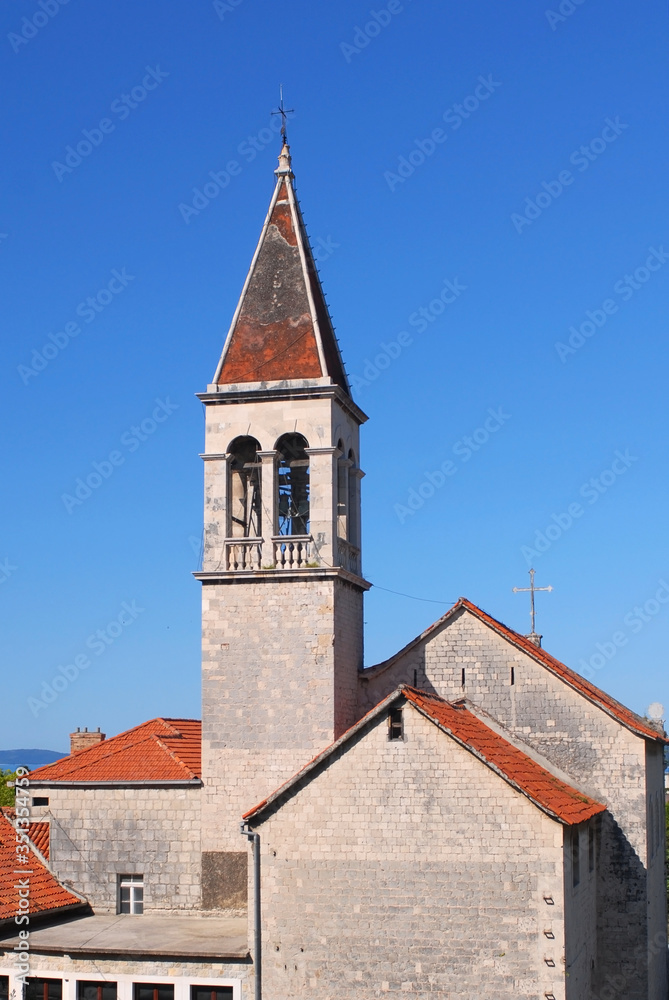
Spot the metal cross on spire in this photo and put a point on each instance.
(536, 639)
(284, 114)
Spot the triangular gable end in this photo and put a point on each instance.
(281, 329)
(558, 800)
(625, 716)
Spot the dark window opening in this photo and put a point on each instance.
(40, 800)
(293, 485)
(395, 724)
(463, 677)
(415, 678)
(513, 675)
(210, 992)
(44, 989)
(342, 495)
(575, 858)
(591, 848)
(153, 991)
(245, 488)
(353, 532)
(4, 987)
(96, 990)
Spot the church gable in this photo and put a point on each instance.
(407, 826)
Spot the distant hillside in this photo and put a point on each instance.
(11, 759)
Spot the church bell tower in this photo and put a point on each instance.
(282, 584)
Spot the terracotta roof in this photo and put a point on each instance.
(158, 750)
(554, 797)
(44, 891)
(614, 708)
(38, 833)
(282, 328)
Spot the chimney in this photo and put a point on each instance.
(83, 739)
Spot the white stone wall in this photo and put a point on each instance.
(280, 663)
(604, 757)
(409, 867)
(97, 834)
(179, 971)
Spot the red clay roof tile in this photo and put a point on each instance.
(282, 328)
(44, 891)
(158, 750)
(550, 793)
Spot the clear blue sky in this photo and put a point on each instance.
(515, 95)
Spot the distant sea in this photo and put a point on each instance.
(11, 759)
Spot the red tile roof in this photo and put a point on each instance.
(38, 833)
(158, 750)
(44, 891)
(614, 708)
(282, 327)
(550, 794)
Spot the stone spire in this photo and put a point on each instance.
(281, 330)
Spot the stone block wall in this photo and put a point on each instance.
(601, 755)
(97, 834)
(280, 665)
(409, 867)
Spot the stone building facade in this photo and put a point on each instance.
(470, 818)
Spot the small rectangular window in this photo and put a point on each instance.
(131, 894)
(153, 991)
(40, 800)
(4, 987)
(44, 989)
(575, 857)
(395, 724)
(95, 990)
(211, 993)
(513, 675)
(463, 677)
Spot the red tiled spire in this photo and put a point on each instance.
(282, 328)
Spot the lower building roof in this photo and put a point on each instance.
(149, 934)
